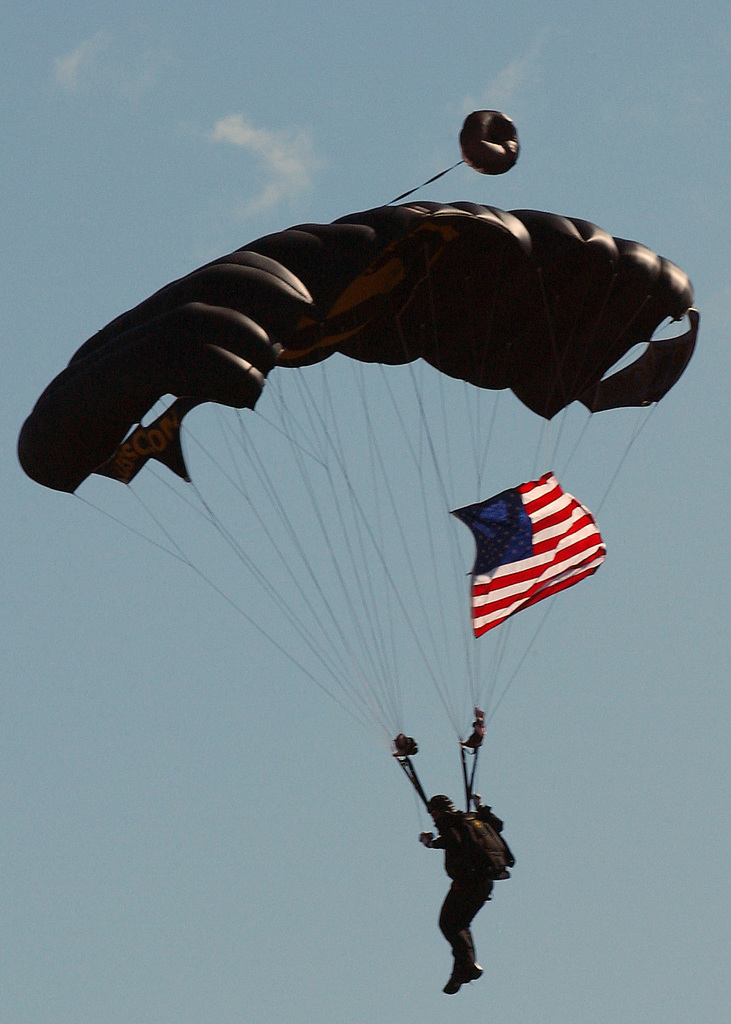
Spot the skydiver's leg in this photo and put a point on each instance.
(458, 910)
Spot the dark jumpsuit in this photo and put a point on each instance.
(466, 895)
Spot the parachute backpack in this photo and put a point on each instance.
(486, 855)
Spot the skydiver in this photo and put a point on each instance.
(473, 868)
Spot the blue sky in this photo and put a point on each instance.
(192, 831)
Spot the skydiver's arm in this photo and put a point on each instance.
(429, 839)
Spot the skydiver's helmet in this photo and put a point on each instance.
(440, 804)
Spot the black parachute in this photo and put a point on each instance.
(542, 304)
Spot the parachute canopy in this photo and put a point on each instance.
(542, 304)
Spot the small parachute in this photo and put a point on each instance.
(489, 141)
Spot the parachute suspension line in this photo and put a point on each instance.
(490, 432)
(427, 182)
(361, 563)
(474, 398)
(374, 702)
(314, 411)
(256, 463)
(381, 489)
(388, 575)
(456, 574)
(569, 459)
(155, 519)
(549, 443)
(383, 661)
(460, 574)
(445, 423)
(519, 666)
(643, 419)
(275, 596)
(485, 696)
(384, 500)
(177, 554)
(327, 660)
(645, 415)
(484, 692)
(622, 331)
(555, 442)
(379, 695)
(417, 589)
(442, 406)
(473, 411)
(291, 440)
(543, 443)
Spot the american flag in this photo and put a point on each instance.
(532, 541)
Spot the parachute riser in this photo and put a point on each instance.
(468, 776)
(406, 747)
(473, 743)
(413, 778)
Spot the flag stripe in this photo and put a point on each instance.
(527, 595)
(483, 623)
(516, 589)
(519, 572)
(516, 583)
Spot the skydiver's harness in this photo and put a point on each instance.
(406, 747)
(484, 854)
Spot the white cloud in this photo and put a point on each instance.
(126, 67)
(68, 69)
(506, 85)
(286, 155)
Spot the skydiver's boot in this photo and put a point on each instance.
(461, 975)
(453, 985)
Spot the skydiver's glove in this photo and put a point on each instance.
(478, 731)
(427, 838)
